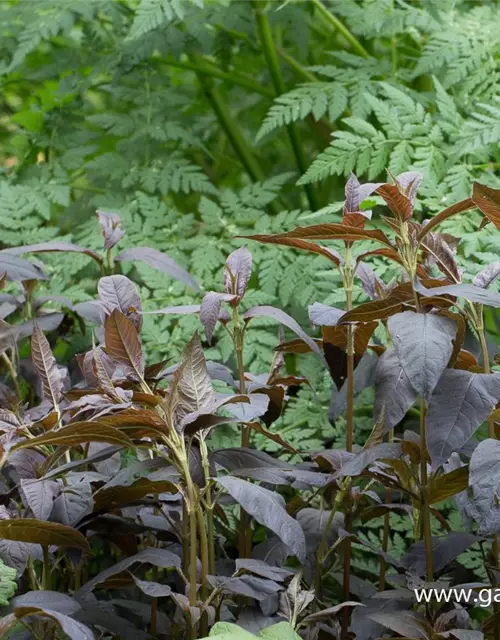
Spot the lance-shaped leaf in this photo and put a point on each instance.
(484, 481)
(118, 292)
(111, 497)
(210, 310)
(394, 394)
(47, 600)
(355, 193)
(111, 227)
(468, 291)
(268, 509)
(102, 374)
(330, 231)
(72, 628)
(297, 243)
(436, 246)
(237, 272)
(487, 276)
(397, 201)
(191, 382)
(53, 245)
(454, 209)
(407, 624)
(461, 402)
(38, 532)
(409, 182)
(358, 463)
(16, 268)
(161, 558)
(159, 261)
(75, 434)
(424, 344)
(122, 342)
(266, 311)
(46, 366)
(182, 309)
(444, 550)
(381, 309)
(371, 283)
(488, 201)
(449, 484)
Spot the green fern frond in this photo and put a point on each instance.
(312, 98)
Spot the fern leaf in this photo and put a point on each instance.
(311, 98)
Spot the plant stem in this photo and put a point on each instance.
(204, 570)
(210, 508)
(495, 550)
(192, 558)
(46, 582)
(297, 67)
(205, 68)
(231, 130)
(348, 283)
(341, 28)
(244, 538)
(424, 493)
(185, 538)
(385, 536)
(273, 65)
(13, 375)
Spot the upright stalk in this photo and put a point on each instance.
(46, 581)
(13, 375)
(271, 55)
(348, 276)
(209, 507)
(485, 356)
(424, 494)
(204, 569)
(385, 535)
(338, 26)
(244, 539)
(231, 129)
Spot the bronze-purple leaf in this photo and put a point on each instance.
(468, 291)
(297, 243)
(488, 201)
(53, 245)
(210, 310)
(423, 343)
(46, 366)
(118, 292)
(267, 311)
(193, 388)
(160, 261)
(268, 508)
(461, 402)
(182, 309)
(487, 276)
(435, 245)
(18, 269)
(122, 342)
(237, 271)
(111, 227)
(394, 394)
(454, 209)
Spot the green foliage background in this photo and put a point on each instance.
(197, 126)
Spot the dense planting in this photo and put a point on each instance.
(114, 460)
(258, 396)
